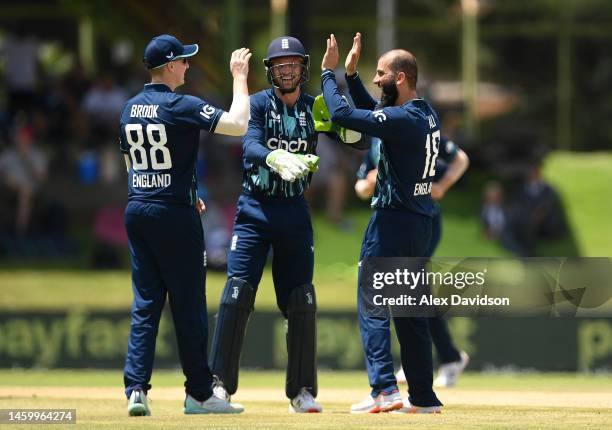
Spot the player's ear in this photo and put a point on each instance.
(400, 78)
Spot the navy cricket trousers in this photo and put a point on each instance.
(278, 222)
(397, 233)
(167, 252)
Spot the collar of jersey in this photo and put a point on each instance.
(157, 87)
(415, 100)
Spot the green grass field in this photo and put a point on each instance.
(481, 401)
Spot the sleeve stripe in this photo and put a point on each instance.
(215, 121)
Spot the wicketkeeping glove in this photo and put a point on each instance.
(323, 123)
(287, 165)
(311, 160)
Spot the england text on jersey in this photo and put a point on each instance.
(151, 180)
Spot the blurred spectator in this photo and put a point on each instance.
(103, 103)
(23, 169)
(110, 238)
(217, 220)
(492, 214)
(20, 70)
(75, 85)
(218, 234)
(535, 214)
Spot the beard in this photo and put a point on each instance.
(389, 94)
(292, 87)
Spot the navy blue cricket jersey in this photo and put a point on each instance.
(272, 126)
(160, 131)
(447, 152)
(410, 136)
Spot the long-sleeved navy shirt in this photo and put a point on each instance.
(272, 126)
(410, 140)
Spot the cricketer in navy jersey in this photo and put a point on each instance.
(447, 151)
(272, 213)
(159, 136)
(160, 131)
(274, 125)
(401, 225)
(450, 165)
(410, 136)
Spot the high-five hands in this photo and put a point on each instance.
(331, 57)
(350, 64)
(239, 63)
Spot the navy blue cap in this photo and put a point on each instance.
(285, 46)
(165, 48)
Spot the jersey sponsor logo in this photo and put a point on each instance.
(207, 111)
(235, 292)
(234, 242)
(302, 117)
(422, 188)
(432, 121)
(151, 181)
(300, 145)
(144, 111)
(379, 115)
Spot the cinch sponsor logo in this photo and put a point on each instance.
(300, 145)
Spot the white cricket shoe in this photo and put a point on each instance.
(212, 405)
(390, 402)
(137, 404)
(369, 405)
(304, 403)
(220, 391)
(409, 408)
(381, 403)
(449, 373)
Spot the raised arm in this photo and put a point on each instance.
(375, 123)
(361, 97)
(379, 123)
(359, 94)
(234, 122)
